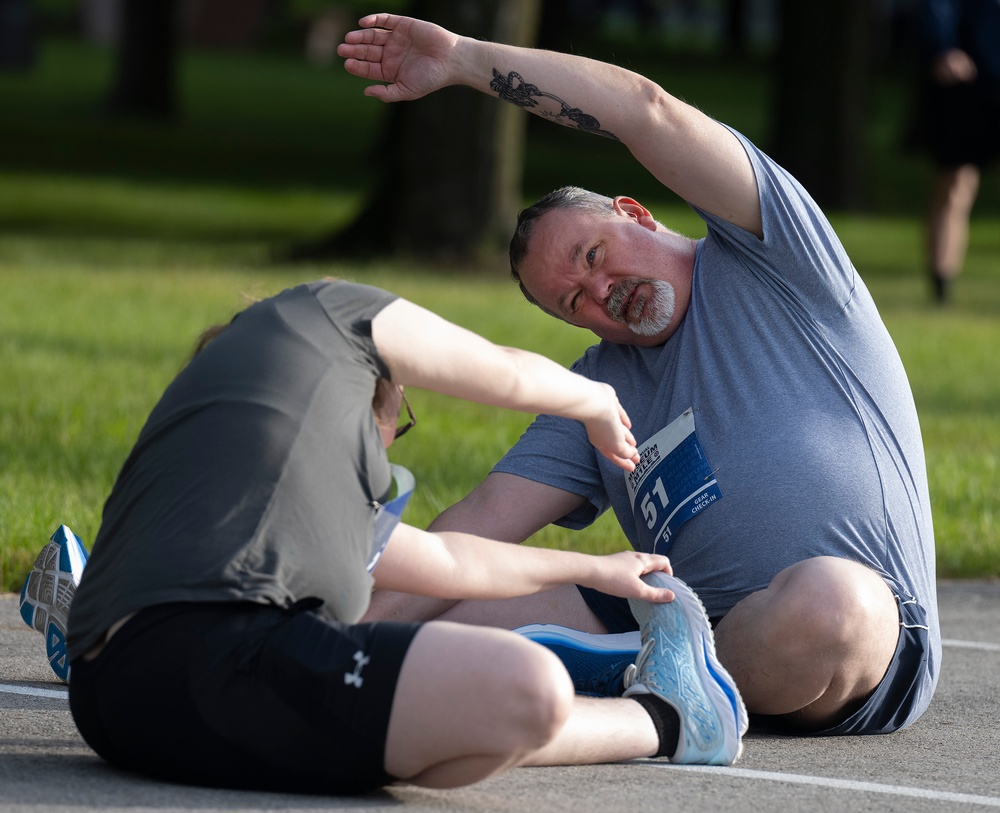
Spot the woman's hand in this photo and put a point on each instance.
(609, 430)
(619, 574)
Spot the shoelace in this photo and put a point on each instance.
(608, 683)
(632, 670)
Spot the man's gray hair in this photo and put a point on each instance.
(566, 197)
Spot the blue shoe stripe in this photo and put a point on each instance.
(723, 683)
(55, 648)
(27, 611)
(555, 642)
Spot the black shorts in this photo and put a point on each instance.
(963, 123)
(896, 702)
(242, 695)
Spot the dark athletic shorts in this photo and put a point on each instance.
(963, 124)
(242, 695)
(890, 707)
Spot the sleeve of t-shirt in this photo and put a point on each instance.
(556, 452)
(351, 307)
(800, 254)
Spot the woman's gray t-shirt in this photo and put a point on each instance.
(255, 476)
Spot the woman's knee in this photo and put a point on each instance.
(537, 694)
(475, 690)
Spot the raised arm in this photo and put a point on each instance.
(426, 351)
(688, 152)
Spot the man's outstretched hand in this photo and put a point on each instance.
(412, 57)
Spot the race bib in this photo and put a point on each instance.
(672, 483)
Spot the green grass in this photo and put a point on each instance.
(118, 243)
(953, 368)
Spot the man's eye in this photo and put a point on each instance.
(590, 256)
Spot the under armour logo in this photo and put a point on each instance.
(354, 678)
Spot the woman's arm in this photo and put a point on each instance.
(457, 565)
(423, 350)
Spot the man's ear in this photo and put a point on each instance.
(632, 208)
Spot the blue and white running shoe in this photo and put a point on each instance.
(596, 663)
(48, 592)
(678, 664)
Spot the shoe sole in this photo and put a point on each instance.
(585, 654)
(717, 683)
(48, 593)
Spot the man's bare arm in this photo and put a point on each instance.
(687, 151)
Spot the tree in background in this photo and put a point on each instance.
(449, 165)
(822, 72)
(145, 83)
(17, 35)
(735, 34)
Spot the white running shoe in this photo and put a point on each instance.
(48, 592)
(677, 663)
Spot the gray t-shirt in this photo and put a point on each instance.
(800, 402)
(255, 476)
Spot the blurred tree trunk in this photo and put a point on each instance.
(145, 83)
(17, 35)
(451, 163)
(824, 67)
(736, 36)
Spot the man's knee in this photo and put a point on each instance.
(845, 584)
(836, 605)
(818, 639)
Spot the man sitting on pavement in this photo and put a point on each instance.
(782, 464)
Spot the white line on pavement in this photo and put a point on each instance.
(985, 647)
(846, 784)
(31, 690)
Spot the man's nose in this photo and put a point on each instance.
(600, 288)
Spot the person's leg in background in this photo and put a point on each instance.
(954, 194)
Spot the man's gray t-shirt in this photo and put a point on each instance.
(800, 402)
(255, 476)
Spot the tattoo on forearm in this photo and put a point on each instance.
(512, 88)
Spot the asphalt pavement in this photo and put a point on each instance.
(949, 760)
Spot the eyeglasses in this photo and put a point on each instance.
(406, 427)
